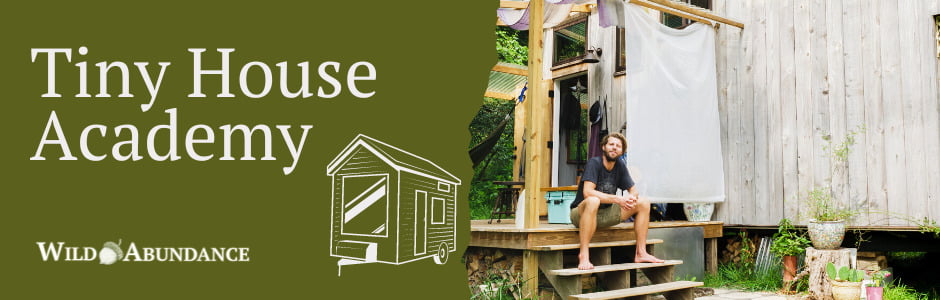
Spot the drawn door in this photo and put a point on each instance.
(421, 222)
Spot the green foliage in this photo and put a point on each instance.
(743, 275)
(788, 241)
(497, 166)
(844, 273)
(498, 287)
(508, 46)
(740, 277)
(840, 152)
(821, 207)
(902, 292)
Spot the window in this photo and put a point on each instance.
(570, 41)
(365, 205)
(438, 210)
(573, 118)
(680, 22)
(621, 65)
(936, 20)
(443, 186)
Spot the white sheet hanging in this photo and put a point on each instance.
(673, 134)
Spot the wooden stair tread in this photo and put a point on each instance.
(593, 245)
(638, 291)
(614, 267)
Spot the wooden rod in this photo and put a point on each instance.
(697, 12)
(525, 4)
(535, 102)
(666, 10)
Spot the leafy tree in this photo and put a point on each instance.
(498, 165)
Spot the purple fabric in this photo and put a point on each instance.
(509, 16)
(594, 140)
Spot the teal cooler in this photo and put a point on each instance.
(559, 206)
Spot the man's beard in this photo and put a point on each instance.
(607, 155)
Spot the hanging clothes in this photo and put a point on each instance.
(672, 110)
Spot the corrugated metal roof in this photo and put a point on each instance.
(505, 85)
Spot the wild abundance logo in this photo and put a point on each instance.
(111, 252)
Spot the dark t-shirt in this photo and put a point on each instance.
(605, 181)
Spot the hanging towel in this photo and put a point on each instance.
(672, 110)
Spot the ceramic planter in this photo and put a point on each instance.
(874, 292)
(826, 235)
(843, 290)
(789, 268)
(698, 212)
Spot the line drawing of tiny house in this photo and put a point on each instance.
(390, 206)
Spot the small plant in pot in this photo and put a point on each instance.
(875, 290)
(789, 243)
(846, 282)
(827, 219)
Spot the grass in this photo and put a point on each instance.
(900, 291)
(743, 276)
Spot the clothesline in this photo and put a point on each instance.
(515, 13)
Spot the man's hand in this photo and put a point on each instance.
(626, 202)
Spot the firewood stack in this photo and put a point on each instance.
(491, 265)
(737, 249)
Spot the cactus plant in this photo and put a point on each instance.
(844, 273)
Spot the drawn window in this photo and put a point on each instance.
(621, 65)
(443, 186)
(936, 20)
(437, 210)
(570, 41)
(365, 205)
(680, 22)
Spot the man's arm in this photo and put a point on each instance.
(591, 191)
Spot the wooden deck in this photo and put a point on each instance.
(506, 235)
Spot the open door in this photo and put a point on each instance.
(421, 222)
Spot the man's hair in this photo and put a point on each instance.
(616, 135)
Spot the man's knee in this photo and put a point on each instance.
(590, 203)
(643, 203)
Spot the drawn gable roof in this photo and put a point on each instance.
(399, 159)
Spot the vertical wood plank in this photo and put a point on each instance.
(912, 78)
(804, 103)
(774, 202)
(895, 175)
(871, 60)
(721, 67)
(537, 109)
(819, 89)
(931, 97)
(857, 182)
(757, 208)
(745, 126)
(837, 100)
(791, 188)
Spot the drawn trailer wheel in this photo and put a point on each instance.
(442, 254)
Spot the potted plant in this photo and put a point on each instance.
(826, 226)
(846, 282)
(875, 289)
(827, 215)
(789, 243)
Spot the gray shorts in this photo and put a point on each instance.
(606, 216)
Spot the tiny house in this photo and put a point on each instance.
(390, 206)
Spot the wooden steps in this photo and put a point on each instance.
(677, 290)
(593, 245)
(612, 268)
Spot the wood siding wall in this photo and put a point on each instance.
(801, 71)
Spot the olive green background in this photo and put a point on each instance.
(431, 57)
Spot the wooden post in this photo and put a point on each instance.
(535, 115)
(711, 256)
(535, 104)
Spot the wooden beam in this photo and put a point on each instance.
(510, 70)
(525, 4)
(499, 95)
(643, 3)
(698, 12)
(535, 104)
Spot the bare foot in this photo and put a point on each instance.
(584, 262)
(647, 258)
